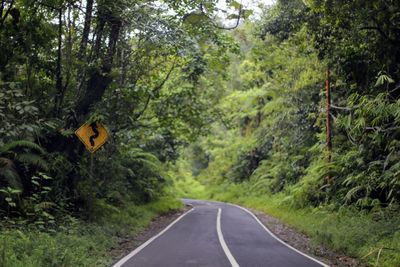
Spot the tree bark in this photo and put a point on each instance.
(59, 88)
(100, 79)
(86, 31)
(3, 18)
(83, 46)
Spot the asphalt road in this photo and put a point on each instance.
(216, 234)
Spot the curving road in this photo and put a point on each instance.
(214, 234)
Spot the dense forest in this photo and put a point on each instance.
(197, 107)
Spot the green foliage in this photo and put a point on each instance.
(28, 157)
(78, 243)
(248, 107)
(10, 197)
(16, 113)
(268, 147)
(185, 184)
(132, 66)
(275, 99)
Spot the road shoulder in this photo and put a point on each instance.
(301, 242)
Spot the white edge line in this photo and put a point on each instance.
(145, 244)
(277, 238)
(222, 241)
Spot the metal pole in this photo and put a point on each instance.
(328, 124)
(91, 165)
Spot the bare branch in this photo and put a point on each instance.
(344, 108)
(380, 129)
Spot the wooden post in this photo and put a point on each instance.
(328, 124)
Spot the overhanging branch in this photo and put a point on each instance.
(155, 91)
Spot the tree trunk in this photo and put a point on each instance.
(100, 79)
(86, 31)
(59, 88)
(82, 48)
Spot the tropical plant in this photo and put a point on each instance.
(18, 160)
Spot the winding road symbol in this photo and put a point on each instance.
(92, 135)
(93, 125)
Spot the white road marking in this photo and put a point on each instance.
(222, 241)
(277, 238)
(138, 249)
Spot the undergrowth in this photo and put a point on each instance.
(77, 242)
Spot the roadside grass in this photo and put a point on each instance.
(79, 243)
(373, 238)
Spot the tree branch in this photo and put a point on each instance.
(204, 12)
(344, 108)
(381, 32)
(237, 21)
(3, 18)
(155, 91)
(3, 2)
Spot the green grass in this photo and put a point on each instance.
(79, 243)
(358, 234)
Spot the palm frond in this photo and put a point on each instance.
(139, 153)
(148, 163)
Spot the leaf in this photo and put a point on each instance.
(382, 79)
(246, 13)
(22, 144)
(235, 4)
(232, 16)
(195, 18)
(33, 159)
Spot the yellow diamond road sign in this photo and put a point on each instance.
(92, 135)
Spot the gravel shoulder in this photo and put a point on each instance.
(301, 242)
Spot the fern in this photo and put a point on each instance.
(32, 159)
(22, 144)
(9, 175)
(20, 151)
(139, 153)
(147, 159)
